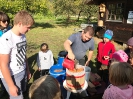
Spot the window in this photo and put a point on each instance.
(115, 12)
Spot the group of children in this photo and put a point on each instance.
(13, 65)
(115, 67)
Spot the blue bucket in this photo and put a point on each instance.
(60, 76)
(60, 60)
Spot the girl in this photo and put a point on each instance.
(44, 59)
(105, 50)
(129, 50)
(4, 27)
(120, 77)
(4, 23)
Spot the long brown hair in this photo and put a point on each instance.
(120, 73)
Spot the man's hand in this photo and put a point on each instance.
(13, 90)
(71, 56)
(87, 63)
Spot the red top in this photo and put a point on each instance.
(105, 49)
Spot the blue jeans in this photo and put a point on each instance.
(19, 81)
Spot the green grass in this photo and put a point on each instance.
(54, 33)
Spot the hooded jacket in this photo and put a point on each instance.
(113, 92)
(105, 49)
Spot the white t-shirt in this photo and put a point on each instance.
(45, 59)
(14, 45)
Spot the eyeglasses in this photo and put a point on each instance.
(4, 21)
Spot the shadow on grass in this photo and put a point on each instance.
(42, 25)
(65, 22)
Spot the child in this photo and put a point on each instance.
(44, 59)
(13, 58)
(129, 50)
(105, 50)
(4, 23)
(46, 87)
(120, 77)
(120, 56)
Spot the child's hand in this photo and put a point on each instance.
(106, 57)
(131, 61)
(39, 69)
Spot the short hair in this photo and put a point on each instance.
(43, 45)
(4, 17)
(24, 17)
(90, 30)
(46, 87)
(120, 73)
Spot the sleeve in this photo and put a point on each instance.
(92, 45)
(1, 33)
(72, 37)
(112, 51)
(106, 94)
(5, 45)
(52, 60)
(38, 61)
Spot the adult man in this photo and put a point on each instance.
(78, 44)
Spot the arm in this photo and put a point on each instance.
(90, 54)
(27, 69)
(67, 46)
(112, 51)
(38, 62)
(4, 61)
(52, 60)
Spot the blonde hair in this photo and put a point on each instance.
(120, 73)
(45, 87)
(24, 17)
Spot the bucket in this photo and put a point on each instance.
(60, 75)
(75, 80)
(87, 73)
(68, 63)
(60, 60)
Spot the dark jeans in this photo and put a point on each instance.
(44, 72)
(2, 86)
(83, 60)
(103, 73)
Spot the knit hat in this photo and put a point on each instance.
(108, 34)
(130, 41)
(120, 56)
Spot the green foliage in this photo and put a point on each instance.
(33, 6)
(74, 8)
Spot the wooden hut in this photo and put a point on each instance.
(116, 15)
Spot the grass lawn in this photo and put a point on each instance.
(53, 32)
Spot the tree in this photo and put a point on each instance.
(74, 7)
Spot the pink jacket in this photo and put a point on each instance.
(116, 93)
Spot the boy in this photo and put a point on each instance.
(105, 50)
(13, 62)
